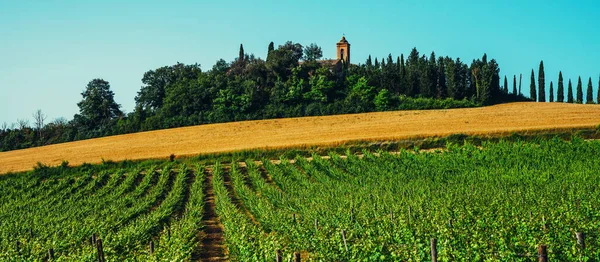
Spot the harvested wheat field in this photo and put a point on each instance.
(306, 131)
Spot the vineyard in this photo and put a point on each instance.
(500, 201)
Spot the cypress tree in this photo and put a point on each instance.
(570, 93)
(551, 93)
(560, 93)
(241, 56)
(579, 91)
(515, 84)
(598, 97)
(532, 92)
(589, 98)
(505, 85)
(542, 83)
(520, 81)
(369, 63)
(376, 63)
(270, 49)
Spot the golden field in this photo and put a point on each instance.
(308, 131)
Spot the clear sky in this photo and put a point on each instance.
(50, 49)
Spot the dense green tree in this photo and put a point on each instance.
(413, 71)
(241, 55)
(532, 91)
(487, 79)
(570, 93)
(270, 49)
(551, 97)
(283, 59)
(542, 83)
(403, 78)
(560, 92)
(589, 98)
(98, 106)
(442, 87)
(369, 63)
(505, 85)
(156, 82)
(515, 85)
(312, 52)
(579, 91)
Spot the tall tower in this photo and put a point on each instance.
(343, 50)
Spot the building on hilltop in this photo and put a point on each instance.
(343, 50)
(343, 56)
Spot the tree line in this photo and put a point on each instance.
(538, 93)
(292, 81)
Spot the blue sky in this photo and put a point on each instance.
(50, 50)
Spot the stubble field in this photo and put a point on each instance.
(308, 131)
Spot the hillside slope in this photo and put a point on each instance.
(294, 132)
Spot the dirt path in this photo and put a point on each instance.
(213, 246)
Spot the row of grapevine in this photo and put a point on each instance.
(500, 201)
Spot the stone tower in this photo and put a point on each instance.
(343, 50)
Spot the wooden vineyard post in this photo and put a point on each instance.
(344, 238)
(93, 239)
(316, 225)
(296, 257)
(542, 253)
(100, 250)
(434, 253)
(151, 247)
(50, 254)
(278, 256)
(580, 240)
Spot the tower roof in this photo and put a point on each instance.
(343, 40)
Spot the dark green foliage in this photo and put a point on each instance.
(570, 93)
(505, 85)
(251, 88)
(442, 87)
(312, 52)
(589, 98)
(551, 97)
(514, 85)
(560, 93)
(532, 91)
(98, 106)
(598, 92)
(579, 91)
(542, 83)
